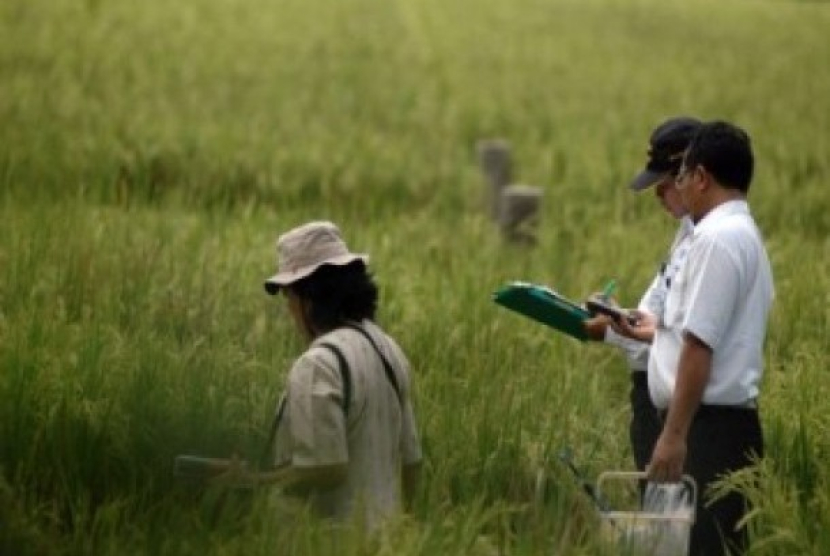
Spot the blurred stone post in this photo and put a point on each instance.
(514, 207)
(519, 211)
(494, 158)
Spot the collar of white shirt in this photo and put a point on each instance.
(687, 226)
(723, 210)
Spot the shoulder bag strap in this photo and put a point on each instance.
(275, 424)
(345, 374)
(387, 367)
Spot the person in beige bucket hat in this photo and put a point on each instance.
(344, 438)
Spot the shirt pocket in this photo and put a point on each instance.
(675, 310)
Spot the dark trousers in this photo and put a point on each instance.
(646, 423)
(721, 440)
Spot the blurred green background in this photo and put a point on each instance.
(151, 152)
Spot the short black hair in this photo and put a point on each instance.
(725, 151)
(338, 294)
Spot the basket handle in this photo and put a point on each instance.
(687, 480)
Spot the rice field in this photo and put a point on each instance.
(151, 152)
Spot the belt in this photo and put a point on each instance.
(709, 410)
(639, 376)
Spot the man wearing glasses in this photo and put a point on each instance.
(706, 362)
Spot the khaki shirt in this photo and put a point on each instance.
(379, 436)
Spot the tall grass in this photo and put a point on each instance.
(151, 152)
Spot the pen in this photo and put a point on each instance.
(608, 290)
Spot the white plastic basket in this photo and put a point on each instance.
(649, 531)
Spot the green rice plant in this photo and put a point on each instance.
(150, 153)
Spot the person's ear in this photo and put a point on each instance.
(703, 179)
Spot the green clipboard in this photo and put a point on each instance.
(544, 305)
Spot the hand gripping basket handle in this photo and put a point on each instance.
(606, 476)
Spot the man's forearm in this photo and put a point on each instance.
(694, 369)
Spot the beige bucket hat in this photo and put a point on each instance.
(306, 248)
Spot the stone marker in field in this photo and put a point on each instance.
(519, 212)
(515, 208)
(494, 157)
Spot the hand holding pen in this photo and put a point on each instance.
(640, 325)
(608, 290)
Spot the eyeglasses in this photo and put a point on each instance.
(681, 176)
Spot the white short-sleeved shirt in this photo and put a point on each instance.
(654, 299)
(722, 294)
(374, 441)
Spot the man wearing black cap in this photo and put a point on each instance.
(706, 359)
(666, 146)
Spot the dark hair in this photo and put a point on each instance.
(724, 150)
(338, 294)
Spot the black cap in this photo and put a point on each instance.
(667, 144)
